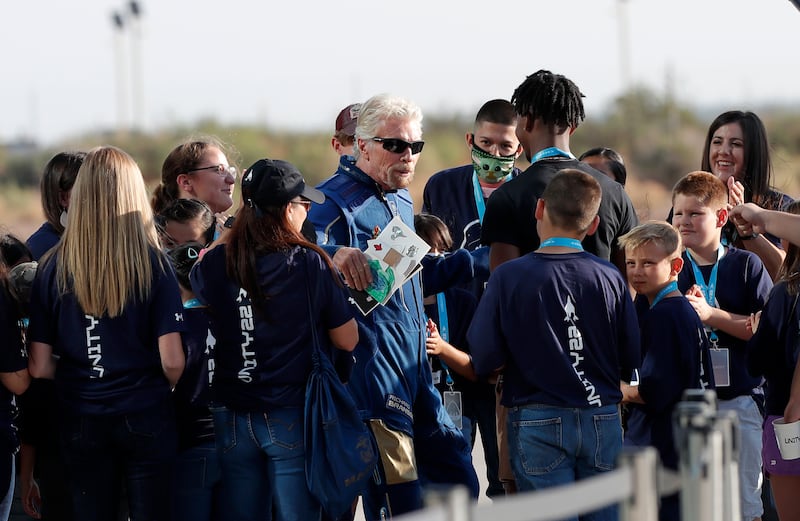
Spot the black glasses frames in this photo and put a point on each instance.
(398, 146)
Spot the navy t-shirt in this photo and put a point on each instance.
(42, 240)
(460, 305)
(773, 350)
(13, 358)
(510, 215)
(193, 392)
(564, 326)
(107, 365)
(675, 358)
(742, 288)
(263, 357)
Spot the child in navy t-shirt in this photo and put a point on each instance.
(724, 285)
(197, 484)
(674, 344)
(561, 324)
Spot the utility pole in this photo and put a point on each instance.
(128, 66)
(120, 70)
(137, 79)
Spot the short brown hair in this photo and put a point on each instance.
(660, 233)
(572, 199)
(707, 187)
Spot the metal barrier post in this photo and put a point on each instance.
(700, 462)
(727, 422)
(642, 504)
(454, 499)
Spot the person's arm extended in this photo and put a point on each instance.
(459, 361)
(345, 337)
(750, 218)
(170, 349)
(41, 363)
(500, 252)
(771, 256)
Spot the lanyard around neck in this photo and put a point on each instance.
(193, 303)
(444, 332)
(480, 203)
(709, 289)
(550, 152)
(566, 242)
(669, 288)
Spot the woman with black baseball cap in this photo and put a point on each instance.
(259, 282)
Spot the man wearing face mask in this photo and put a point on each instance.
(458, 197)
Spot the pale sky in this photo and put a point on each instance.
(293, 64)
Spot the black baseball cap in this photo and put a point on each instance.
(273, 182)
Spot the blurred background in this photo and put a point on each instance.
(269, 79)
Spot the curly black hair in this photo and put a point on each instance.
(553, 98)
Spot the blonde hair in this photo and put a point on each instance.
(104, 256)
(660, 233)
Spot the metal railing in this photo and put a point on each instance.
(707, 479)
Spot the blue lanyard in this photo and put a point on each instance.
(193, 303)
(669, 288)
(479, 201)
(444, 332)
(567, 242)
(709, 289)
(444, 328)
(550, 152)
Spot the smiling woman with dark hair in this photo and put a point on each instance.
(737, 151)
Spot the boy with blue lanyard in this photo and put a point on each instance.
(674, 345)
(724, 285)
(458, 195)
(561, 324)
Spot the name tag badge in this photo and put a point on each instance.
(720, 361)
(437, 377)
(452, 404)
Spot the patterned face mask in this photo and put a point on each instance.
(491, 169)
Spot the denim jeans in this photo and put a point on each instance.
(102, 451)
(553, 446)
(197, 485)
(262, 458)
(750, 430)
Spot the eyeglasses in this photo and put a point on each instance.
(304, 204)
(221, 170)
(398, 146)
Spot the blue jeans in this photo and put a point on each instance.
(553, 446)
(102, 451)
(197, 489)
(262, 457)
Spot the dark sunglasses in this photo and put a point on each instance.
(398, 146)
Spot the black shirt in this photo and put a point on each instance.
(510, 210)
